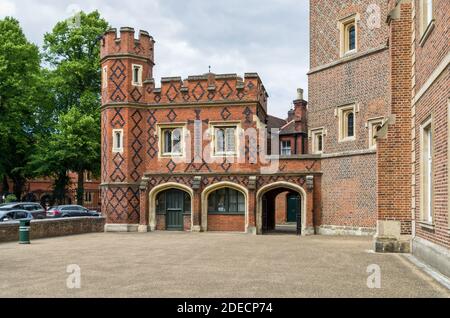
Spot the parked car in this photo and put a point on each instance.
(35, 209)
(68, 211)
(15, 215)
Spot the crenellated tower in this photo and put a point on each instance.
(127, 70)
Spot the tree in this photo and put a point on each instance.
(74, 146)
(19, 77)
(72, 51)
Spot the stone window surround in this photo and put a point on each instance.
(139, 79)
(425, 26)
(343, 26)
(425, 220)
(314, 133)
(341, 113)
(161, 139)
(117, 133)
(212, 133)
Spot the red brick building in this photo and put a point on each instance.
(413, 154)
(194, 154)
(379, 99)
(367, 156)
(41, 191)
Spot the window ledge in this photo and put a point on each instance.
(427, 33)
(349, 53)
(226, 214)
(225, 155)
(426, 225)
(348, 139)
(172, 155)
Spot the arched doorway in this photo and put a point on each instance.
(173, 204)
(225, 208)
(170, 207)
(295, 209)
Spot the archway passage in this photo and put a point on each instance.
(281, 211)
(174, 204)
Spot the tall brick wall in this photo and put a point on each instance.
(394, 150)
(349, 191)
(349, 168)
(434, 103)
(324, 32)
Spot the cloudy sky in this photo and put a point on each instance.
(233, 36)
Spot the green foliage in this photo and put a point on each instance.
(10, 198)
(74, 146)
(74, 54)
(19, 75)
(50, 122)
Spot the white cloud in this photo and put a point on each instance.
(265, 36)
(7, 8)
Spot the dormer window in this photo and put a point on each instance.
(137, 75)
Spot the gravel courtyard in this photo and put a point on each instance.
(167, 264)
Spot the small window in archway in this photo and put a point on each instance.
(226, 201)
(173, 199)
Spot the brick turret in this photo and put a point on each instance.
(119, 57)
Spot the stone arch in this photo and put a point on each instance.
(214, 187)
(161, 188)
(280, 184)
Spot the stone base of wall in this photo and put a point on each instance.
(344, 230)
(121, 228)
(392, 245)
(309, 231)
(432, 254)
(53, 228)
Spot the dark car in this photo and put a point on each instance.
(69, 211)
(15, 215)
(35, 209)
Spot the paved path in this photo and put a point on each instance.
(207, 265)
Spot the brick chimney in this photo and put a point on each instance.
(300, 112)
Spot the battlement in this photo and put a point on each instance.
(208, 87)
(126, 58)
(126, 44)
